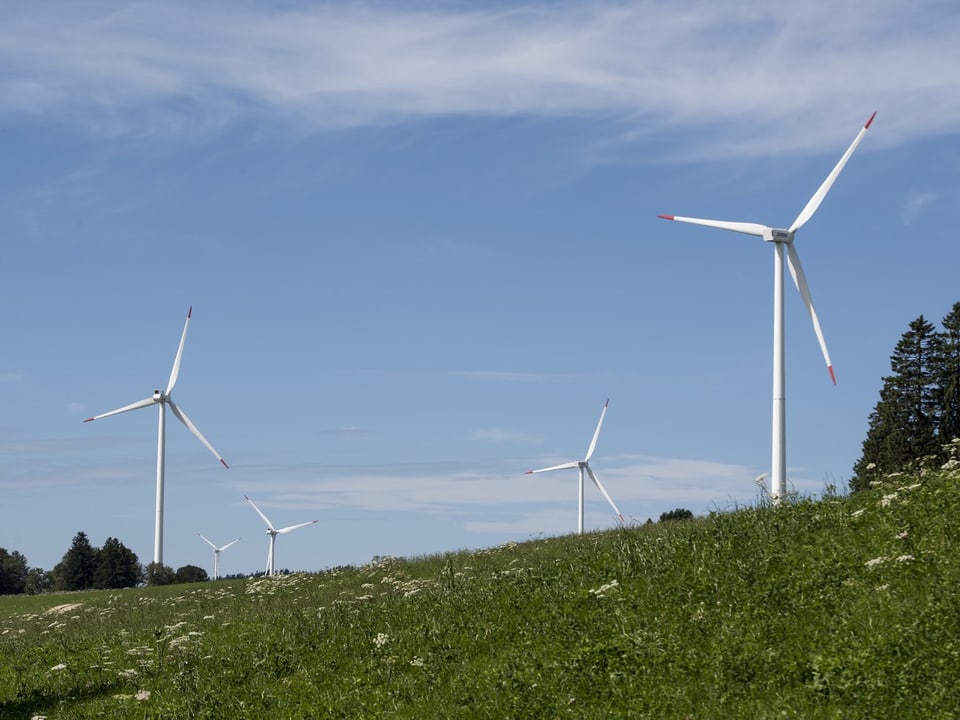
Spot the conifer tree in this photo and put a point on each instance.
(117, 566)
(949, 381)
(917, 406)
(76, 570)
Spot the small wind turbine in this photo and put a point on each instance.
(216, 554)
(584, 465)
(273, 532)
(162, 398)
(784, 238)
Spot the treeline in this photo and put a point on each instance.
(916, 422)
(85, 567)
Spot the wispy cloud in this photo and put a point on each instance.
(756, 73)
(915, 204)
(499, 435)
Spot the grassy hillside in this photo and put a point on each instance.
(842, 607)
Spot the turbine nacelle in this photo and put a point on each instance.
(778, 235)
(159, 396)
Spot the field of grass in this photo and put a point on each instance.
(841, 607)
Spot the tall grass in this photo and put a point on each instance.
(831, 608)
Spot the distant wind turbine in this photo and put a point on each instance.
(273, 532)
(584, 465)
(784, 239)
(162, 399)
(216, 554)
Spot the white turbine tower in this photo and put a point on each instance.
(785, 239)
(273, 532)
(162, 399)
(216, 554)
(584, 466)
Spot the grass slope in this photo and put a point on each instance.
(835, 608)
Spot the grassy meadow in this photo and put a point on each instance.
(839, 607)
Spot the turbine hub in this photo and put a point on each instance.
(779, 235)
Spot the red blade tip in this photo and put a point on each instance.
(529, 472)
(88, 419)
(832, 376)
(666, 217)
(867, 126)
(224, 463)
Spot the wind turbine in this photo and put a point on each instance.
(216, 554)
(162, 398)
(273, 532)
(785, 239)
(584, 466)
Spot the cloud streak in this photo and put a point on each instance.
(755, 73)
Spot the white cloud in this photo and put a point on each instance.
(916, 203)
(766, 77)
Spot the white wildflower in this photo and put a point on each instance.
(887, 499)
(604, 589)
(58, 667)
(875, 562)
(904, 558)
(857, 513)
(381, 639)
(417, 662)
(902, 535)
(142, 695)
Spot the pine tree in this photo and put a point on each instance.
(903, 426)
(117, 566)
(13, 572)
(949, 380)
(76, 570)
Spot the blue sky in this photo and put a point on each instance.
(422, 250)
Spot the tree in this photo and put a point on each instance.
(160, 574)
(919, 406)
(117, 566)
(191, 574)
(38, 581)
(13, 572)
(678, 514)
(76, 570)
(949, 376)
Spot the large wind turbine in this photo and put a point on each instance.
(162, 399)
(584, 465)
(784, 239)
(216, 554)
(273, 532)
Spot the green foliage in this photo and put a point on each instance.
(678, 514)
(13, 572)
(77, 568)
(919, 407)
(159, 574)
(117, 567)
(190, 574)
(840, 607)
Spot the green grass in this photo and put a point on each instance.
(834, 608)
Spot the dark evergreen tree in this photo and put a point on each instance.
(13, 572)
(678, 514)
(117, 566)
(903, 427)
(76, 570)
(191, 574)
(160, 574)
(949, 380)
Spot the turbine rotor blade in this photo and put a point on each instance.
(287, 529)
(596, 434)
(181, 416)
(565, 466)
(822, 191)
(176, 363)
(234, 542)
(146, 402)
(740, 227)
(259, 512)
(207, 542)
(800, 280)
(601, 489)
